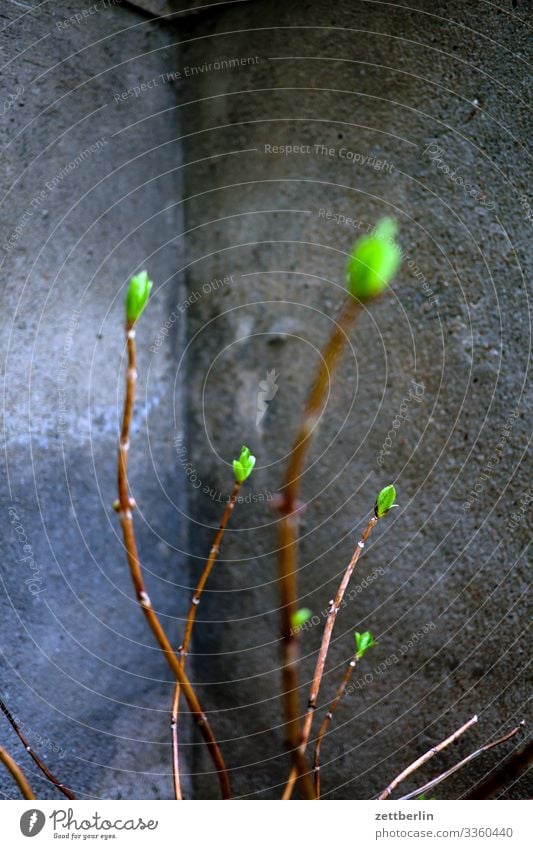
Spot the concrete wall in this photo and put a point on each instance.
(78, 667)
(256, 282)
(363, 89)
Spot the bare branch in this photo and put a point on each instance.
(44, 769)
(508, 774)
(215, 548)
(324, 648)
(443, 776)
(289, 507)
(132, 554)
(17, 774)
(327, 719)
(426, 757)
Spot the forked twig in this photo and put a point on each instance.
(17, 774)
(130, 545)
(183, 649)
(288, 534)
(207, 571)
(327, 719)
(371, 265)
(42, 766)
(443, 776)
(426, 757)
(323, 652)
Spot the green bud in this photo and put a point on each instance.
(373, 262)
(137, 296)
(385, 501)
(363, 642)
(300, 617)
(244, 466)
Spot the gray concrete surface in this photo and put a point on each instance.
(391, 98)
(78, 667)
(364, 80)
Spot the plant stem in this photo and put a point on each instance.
(17, 774)
(215, 548)
(60, 786)
(130, 545)
(461, 764)
(426, 757)
(288, 533)
(324, 647)
(178, 795)
(327, 719)
(512, 769)
(183, 649)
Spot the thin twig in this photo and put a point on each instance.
(215, 548)
(178, 795)
(15, 726)
(183, 649)
(426, 757)
(461, 764)
(289, 507)
(17, 774)
(323, 652)
(497, 781)
(130, 545)
(327, 719)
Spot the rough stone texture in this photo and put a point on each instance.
(79, 668)
(170, 9)
(380, 82)
(262, 262)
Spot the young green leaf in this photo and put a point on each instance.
(300, 617)
(137, 296)
(385, 501)
(243, 467)
(363, 642)
(373, 262)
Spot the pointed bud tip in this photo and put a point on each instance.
(363, 642)
(244, 466)
(137, 296)
(385, 501)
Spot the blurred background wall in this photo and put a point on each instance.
(90, 189)
(237, 153)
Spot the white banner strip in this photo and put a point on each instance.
(255, 824)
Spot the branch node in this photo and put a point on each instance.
(144, 599)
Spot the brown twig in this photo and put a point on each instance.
(323, 652)
(288, 534)
(327, 719)
(426, 757)
(178, 795)
(183, 649)
(130, 545)
(461, 764)
(17, 774)
(15, 726)
(509, 773)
